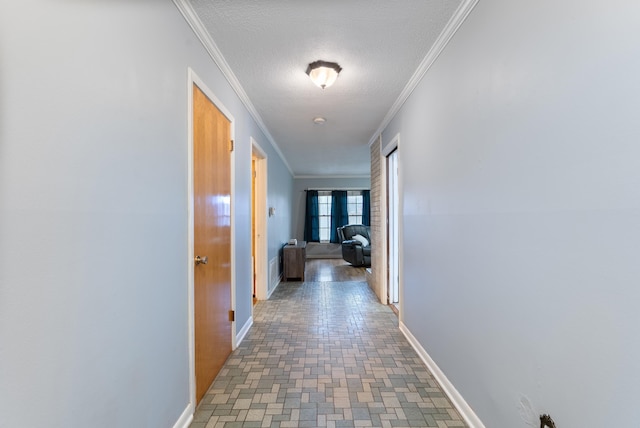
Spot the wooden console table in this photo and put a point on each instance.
(293, 259)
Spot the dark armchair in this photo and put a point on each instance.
(356, 244)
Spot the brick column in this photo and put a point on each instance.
(377, 230)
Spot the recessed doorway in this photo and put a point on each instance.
(259, 221)
(392, 229)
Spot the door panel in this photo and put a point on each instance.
(212, 239)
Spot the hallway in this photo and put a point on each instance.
(325, 353)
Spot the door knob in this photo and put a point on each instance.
(201, 260)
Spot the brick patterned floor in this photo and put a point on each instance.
(325, 354)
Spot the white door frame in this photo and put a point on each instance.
(392, 226)
(192, 78)
(260, 237)
(385, 151)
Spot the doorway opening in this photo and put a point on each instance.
(259, 222)
(393, 292)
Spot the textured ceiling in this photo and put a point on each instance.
(378, 43)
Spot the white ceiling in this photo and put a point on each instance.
(378, 43)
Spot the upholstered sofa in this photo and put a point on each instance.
(356, 244)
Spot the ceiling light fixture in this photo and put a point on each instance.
(323, 73)
(319, 120)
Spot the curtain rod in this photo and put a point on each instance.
(331, 188)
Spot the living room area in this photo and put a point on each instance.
(324, 248)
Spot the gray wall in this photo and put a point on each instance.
(281, 197)
(93, 211)
(299, 195)
(521, 196)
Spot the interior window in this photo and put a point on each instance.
(324, 211)
(354, 206)
(354, 209)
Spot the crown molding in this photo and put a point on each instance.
(441, 42)
(212, 49)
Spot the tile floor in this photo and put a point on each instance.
(325, 354)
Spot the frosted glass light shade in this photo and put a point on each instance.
(323, 73)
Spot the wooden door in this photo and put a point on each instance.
(212, 239)
(253, 225)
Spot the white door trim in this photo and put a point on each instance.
(385, 151)
(390, 146)
(392, 226)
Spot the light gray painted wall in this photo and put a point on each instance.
(519, 160)
(281, 198)
(93, 211)
(299, 195)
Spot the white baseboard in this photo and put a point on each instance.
(243, 332)
(185, 418)
(274, 288)
(460, 404)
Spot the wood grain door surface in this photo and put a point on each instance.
(212, 238)
(253, 222)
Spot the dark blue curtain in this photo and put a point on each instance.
(311, 219)
(339, 213)
(366, 207)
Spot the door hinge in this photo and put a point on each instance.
(232, 316)
(255, 174)
(230, 145)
